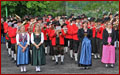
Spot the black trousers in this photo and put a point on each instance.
(9, 44)
(99, 43)
(13, 47)
(66, 42)
(94, 45)
(59, 49)
(75, 45)
(71, 44)
(51, 49)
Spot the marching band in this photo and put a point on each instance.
(31, 38)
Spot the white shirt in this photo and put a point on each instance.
(109, 30)
(28, 38)
(32, 38)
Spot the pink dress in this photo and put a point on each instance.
(108, 53)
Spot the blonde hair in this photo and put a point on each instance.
(21, 27)
(36, 28)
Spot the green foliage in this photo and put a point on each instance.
(91, 8)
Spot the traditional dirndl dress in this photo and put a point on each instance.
(85, 56)
(108, 53)
(38, 55)
(22, 57)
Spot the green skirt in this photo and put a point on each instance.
(38, 56)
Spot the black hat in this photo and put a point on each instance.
(48, 23)
(53, 23)
(92, 19)
(14, 20)
(104, 14)
(73, 19)
(64, 24)
(106, 19)
(57, 23)
(116, 15)
(27, 19)
(99, 20)
(78, 18)
(39, 18)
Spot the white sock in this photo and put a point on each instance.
(62, 58)
(115, 44)
(15, 57)
(118, 43)
(56, 58)
(53, 58)
(66, 49)
(12, 54)
(24, 68)
(9, 51)
(71, 53)
(68, 43)
(38, 68)
(75, 54)
(7, 45)
(46, 50)
(21, 68)
(31, 52)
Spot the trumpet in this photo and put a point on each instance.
(17, 17)
(65, 30)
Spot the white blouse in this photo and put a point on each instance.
(109, 30)
(32, 38)
(28, 38)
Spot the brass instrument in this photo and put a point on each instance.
(17, 17)
(65, 29)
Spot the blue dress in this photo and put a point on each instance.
(85, 56)
(85, 47)
(22, 57)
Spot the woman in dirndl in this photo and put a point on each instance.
(85, 36)
(22, 39)
(108, 53)
(38, 51)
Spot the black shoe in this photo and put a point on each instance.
(62, 63)
(56, 63)
(112, 66)
(71, 58)
(9, 55)
(12, 59)
(76, 62)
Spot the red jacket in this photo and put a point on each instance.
(69, 32)
(5, 26)
(53, 37)
(100, 33)
(75, 32)
(12, 34)
(45, 32)
(26, 27)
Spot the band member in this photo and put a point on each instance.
(12, 35)
(70, 34)
(58, 42)
(50, 30)
(38, 51)
(85, 36)
(99, 32)
(93, 28)
(75, 38)
(5, 26)
(45, 32)
(22, 40)
(108, 53)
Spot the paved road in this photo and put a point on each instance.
(69, 67)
